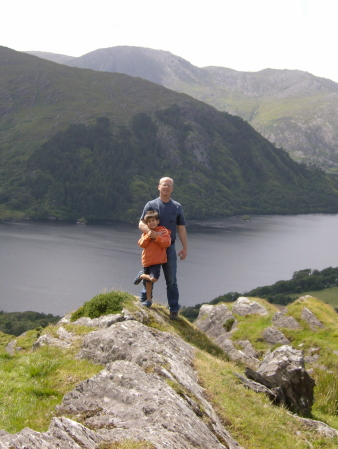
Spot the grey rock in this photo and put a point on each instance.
(274, 337)
(218, 322)
(311, 319)
(215, 320)
(236, 355)
(243, 306)
(318, 426)
(248, 349)
(62, 433)
(11, 347)
(281, 319)
(123, 401)
(101, 322)
(284, 368)
(274, 394)
(47, 340)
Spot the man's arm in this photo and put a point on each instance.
(182, 233)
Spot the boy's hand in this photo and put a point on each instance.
(152, 234)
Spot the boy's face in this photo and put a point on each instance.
(152, 223)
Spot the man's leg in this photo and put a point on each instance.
(169, 271)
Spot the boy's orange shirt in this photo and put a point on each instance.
(154, 251)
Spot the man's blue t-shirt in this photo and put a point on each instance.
(170, 213)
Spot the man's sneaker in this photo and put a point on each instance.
(173, 316)
(137, 280)
(147, 304)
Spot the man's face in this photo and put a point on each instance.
(152, 223)
(166, 187)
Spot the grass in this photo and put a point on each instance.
(33, 383)
(104, 304)
(328, 295)
(250, 417)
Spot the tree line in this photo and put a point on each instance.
(279, 293)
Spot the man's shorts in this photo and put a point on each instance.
(153, 271)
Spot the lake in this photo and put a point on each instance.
(55, 267)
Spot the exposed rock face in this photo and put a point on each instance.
(284, 368)
(280, 319)
(274, 336)
(215, 320)
(236, 355)
(218, 322)
(243, 306)
(311, 319)
(147, 391)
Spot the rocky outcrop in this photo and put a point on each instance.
(281, 319)
(284, 369)
(311, 319)
(218, 322)
(215, 320)
(243, 306)
(148, 390)
(274, 336)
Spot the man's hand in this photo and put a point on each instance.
(182, 254)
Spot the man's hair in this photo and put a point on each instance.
(151, 214)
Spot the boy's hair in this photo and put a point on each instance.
(151, 214)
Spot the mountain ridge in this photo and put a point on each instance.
(298, 112)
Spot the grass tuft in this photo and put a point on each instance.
(104, 304)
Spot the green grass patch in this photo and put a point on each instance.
(328, 295)
(33, 383)
(104, 304)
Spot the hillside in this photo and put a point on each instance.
(294, 110)
(135, 369)
(80, 143)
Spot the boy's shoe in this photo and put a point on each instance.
(147, 304)
(137, 280)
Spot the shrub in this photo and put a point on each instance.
(103, 304)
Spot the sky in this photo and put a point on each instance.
(244, 35)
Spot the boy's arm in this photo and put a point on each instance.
(144, 241)
(163, 238)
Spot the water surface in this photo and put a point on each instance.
(56, 267)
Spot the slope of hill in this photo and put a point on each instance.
(77, 142)
(55, 57)
(295, 110)
(134, 368)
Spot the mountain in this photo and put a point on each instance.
(55, 57)
(82, 143)
(294, 110)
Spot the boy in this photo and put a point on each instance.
(153, 255)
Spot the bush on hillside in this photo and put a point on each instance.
(103, 304)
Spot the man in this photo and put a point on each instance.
(171, 217)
